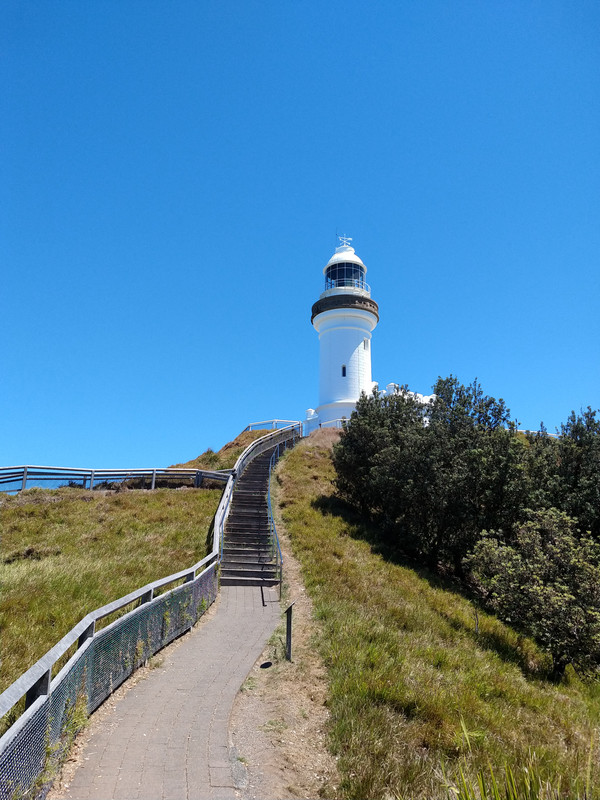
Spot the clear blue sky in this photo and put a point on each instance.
(173, 175)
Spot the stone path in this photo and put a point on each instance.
(167, 738)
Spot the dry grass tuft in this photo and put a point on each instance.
(226, 457)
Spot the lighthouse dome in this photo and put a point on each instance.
(343, 254)
(345, 270)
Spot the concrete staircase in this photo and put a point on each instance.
(247, 551)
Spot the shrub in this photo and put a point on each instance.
(546, 581)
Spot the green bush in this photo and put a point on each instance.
(547, 583)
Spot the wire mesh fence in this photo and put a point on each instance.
(31, 750)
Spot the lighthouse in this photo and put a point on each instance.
(344, 316)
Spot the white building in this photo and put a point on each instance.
(344, 316)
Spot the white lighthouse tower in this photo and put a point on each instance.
(344, 317)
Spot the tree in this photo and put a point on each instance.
(577, 485)
(432, 476)
(379, 422)
(546, 583)
(478, 466)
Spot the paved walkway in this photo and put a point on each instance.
(167, 738)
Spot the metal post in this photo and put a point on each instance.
(288, 632)
(147, 597)
(40, 687)
(87, 634)
(153, 479)
(92, 479)
(24, 484)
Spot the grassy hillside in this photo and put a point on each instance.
(66, 552)
(226, 457)
(422, 684)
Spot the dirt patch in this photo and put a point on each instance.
(31, 554)
(279, 721)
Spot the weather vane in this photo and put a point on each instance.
(345, 241)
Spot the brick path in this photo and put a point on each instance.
(167, 738)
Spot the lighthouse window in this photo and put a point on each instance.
(366, 344)
(346, 274)
(344, 371)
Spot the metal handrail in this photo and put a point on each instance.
(38, 678)
(341, 422)
(274, 536)
(347, 283)
(92, 477)
(270, 423)
(257, 447)
(41, 671)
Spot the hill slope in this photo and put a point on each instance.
(226, 457)
(421, 683)
(65, 552)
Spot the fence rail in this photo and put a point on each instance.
(276, 554)
(292, 432)
(270, 423)
(104, 658)
(17, 479)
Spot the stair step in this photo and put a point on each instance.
(257, 528)
(249, 572)
(246, 544)
(257, 544)
(249, 560)
(236, 580)
(247, 522)
(260, 557)
(258, 538)
(242, 526)
(247, 547)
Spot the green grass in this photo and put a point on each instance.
(66, 552)
(423, 687)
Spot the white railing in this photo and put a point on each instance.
(270, 423)
(16, 479)
(104, 658)
(292, 431)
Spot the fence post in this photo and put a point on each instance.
(92, 479)
(147, 597)
(87, 634)
(153, 479)
(24, 484)
(288, 632)
(39, 688)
